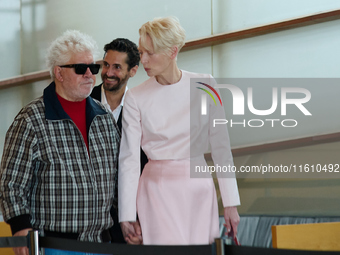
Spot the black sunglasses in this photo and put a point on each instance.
(82, 68)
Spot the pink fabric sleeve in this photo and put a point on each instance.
(221, 155)
(129, 160)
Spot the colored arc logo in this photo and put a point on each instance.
(209, 93)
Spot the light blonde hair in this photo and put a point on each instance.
(164, 33)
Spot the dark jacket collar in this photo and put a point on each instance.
(97, 92)
(54, 110)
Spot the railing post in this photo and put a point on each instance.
(219, 246)
(33, 242)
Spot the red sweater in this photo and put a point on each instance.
(77, 112)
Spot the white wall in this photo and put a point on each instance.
(9, 38)
(231, 15)
(104, 20)
(306, 52)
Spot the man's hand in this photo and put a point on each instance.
(232, 219)
(22, 250)
(132, 232)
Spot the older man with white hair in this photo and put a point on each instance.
(60, 154)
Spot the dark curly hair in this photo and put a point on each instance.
(125, 45)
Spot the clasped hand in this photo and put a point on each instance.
(132, 232)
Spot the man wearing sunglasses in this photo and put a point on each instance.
(60, 155)
(120, 63)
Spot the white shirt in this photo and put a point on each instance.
(116, 111)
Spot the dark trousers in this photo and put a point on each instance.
(115, 230)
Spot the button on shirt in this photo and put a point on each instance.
(116, 111)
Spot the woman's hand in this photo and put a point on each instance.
(132, 232)
(232, 219)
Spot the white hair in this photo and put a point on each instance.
(70, 42)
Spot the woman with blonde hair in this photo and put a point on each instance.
(172, 207)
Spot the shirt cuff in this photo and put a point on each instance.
(20, 222)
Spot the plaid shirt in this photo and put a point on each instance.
(48, 174)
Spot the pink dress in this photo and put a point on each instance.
(173, 205)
